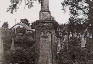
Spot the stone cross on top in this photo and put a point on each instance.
(44, 5)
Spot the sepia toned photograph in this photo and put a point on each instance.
(46, 32)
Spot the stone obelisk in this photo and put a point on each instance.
(45, 36)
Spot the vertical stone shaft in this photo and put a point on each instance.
(45, 13)
(44, 5)
(1, 47)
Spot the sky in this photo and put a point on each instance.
(31, 14)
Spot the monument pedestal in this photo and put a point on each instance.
(45, 40)
(45, 36)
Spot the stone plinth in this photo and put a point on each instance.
(45, 40)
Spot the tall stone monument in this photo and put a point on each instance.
(45, 36)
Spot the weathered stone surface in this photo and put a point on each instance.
(45, 5)
(1, 46)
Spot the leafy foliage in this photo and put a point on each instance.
(80, 26)
(15, 3)
(13, 6)
(25, 21)
(5, 25)
(23, 52)
(77, 8)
